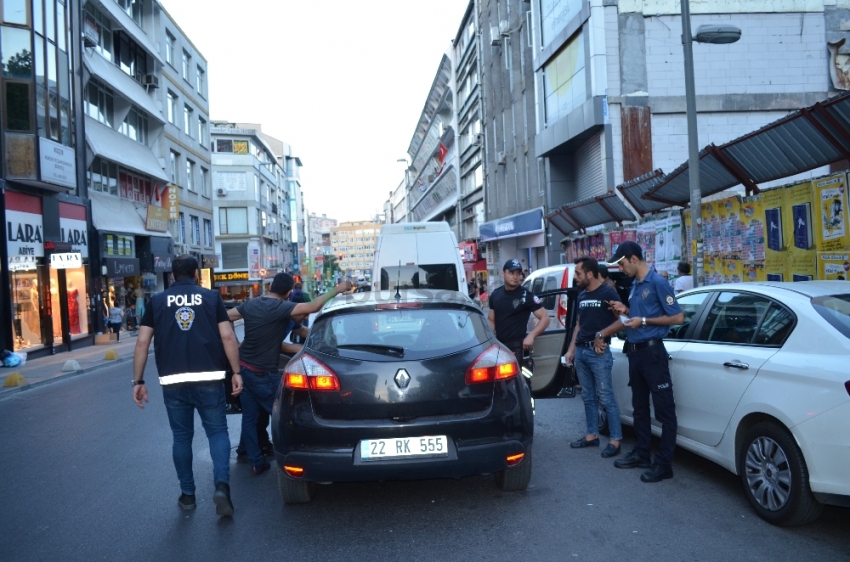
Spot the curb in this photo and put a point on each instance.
(6, 393)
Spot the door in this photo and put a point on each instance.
(716, 367)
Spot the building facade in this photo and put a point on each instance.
(353, 244)
(45, 268)
(249, 200)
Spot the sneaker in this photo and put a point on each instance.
(658, 473)
(258, 469)
(632, 460)
(187, 501)
(221, 497)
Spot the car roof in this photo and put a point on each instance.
(809, 289)
(374, 298)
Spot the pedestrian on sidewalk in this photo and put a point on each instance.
(590, 351)
(267, 321)
(194, 344)
(116, 317)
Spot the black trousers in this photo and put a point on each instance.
(649, 375)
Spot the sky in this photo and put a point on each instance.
(343, 82)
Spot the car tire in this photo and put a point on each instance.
(515, 478)
(603, 421)
(294, 491)
(775, 478)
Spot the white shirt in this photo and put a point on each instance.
(683, 283)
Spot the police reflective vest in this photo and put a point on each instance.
(187, 343)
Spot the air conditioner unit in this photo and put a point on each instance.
(505, 28)
(151, 80)
(501, 158)
(221, 192)
(495, 36)
(478, 139)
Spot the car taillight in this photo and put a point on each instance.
(496, 363)
(561, 313)
(309, 372)
(847, 387)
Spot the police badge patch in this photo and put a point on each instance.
(670, 300)
(516, 303)
(184, 316)
(537, 300)
(645, 293)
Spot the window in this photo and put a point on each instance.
(233, 220)
(187, 120)
(182, 233)
(775, 327)
(174, 175)
(234, 255)
(690, 305)
(170, 40)
(172, 107)
(564, 82)
(196, 230)
(135, 126)
(431, 276)
(15, 11)
(97, 28)
(187, 64)
(98, 102)
(131, 58)
(133, 9)
(208, 237)
(202, 131)
(201, 78)
(203, 182)
(734, 317)
(190, 175)
(102, 176)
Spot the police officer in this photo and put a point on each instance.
(194, 344)
(510, 308)
(651, 310)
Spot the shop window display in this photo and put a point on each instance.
(26, 324)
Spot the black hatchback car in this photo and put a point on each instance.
(401, 386)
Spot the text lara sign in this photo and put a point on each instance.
(72, 260)
(24, 228)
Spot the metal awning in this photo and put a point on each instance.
(590, 212)
(801, 141)
(112, 145)
(121, 82)
(633, 192)
(113, 214)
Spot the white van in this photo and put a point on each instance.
(418, 255)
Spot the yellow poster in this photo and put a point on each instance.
(830, 209)
(771, 205)
(802, 255)
(753, 239)
(833, 266)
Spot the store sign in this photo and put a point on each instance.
(122, 267)
(230, 276)
(520, 224)
(157, 219)
(71, 260)
(58, 163)
(171, 203)
(469, 251)
(209, 261)
(162, 263)
(22, 263)
(24, 228)
(73, 228)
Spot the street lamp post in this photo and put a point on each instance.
(716, 34)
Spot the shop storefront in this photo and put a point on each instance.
(208, 263)
(521, 236)
(235, 286)
(474, 266)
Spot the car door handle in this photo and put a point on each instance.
(736, 365)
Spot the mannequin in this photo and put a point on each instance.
(140, 303)
(32, 314)
(73, 308)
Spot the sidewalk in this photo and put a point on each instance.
(48, 369)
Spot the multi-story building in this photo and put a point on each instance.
(353, 244)
(318, 234)
(251, 232)
(46, 265)
(290, 182)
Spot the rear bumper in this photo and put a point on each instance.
(346, 466)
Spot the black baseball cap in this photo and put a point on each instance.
(626, 250)
(512, 265)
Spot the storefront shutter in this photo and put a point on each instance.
(588, 162)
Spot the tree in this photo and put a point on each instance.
(19, 65)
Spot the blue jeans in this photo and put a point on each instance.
(181, 401)
(594, 375)
(260, 388)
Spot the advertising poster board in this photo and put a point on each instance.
(646, 240)
(775, 256)
(830, 213)
(834, 266)
(802, 262)
(752, 233)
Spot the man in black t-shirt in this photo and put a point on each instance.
(592, 356)
(510, 308)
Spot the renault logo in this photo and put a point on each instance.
(402, 379)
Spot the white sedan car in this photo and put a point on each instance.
(761, 377)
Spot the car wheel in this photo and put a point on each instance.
(515, 478)
(775, 477)
(603, 421)
(294, 491)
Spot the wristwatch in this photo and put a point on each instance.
(643, 322)
(138, 382)
(599, 335)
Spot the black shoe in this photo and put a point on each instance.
(187, 501)
(610, 451)
(221, 497)
(658, 473)
(632, 460)
(582, 442)
(241, 458)
(233, 409)
(267, 449)
(258, 469)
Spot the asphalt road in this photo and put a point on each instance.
(88, 476)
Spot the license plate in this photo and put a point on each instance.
(395, 319)
(403, 448)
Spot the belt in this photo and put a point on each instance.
(591, 344)
(629, 347)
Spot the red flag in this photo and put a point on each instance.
(443, 151)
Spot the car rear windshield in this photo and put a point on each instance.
(407, 333)
(836, 310)
(431, 276)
